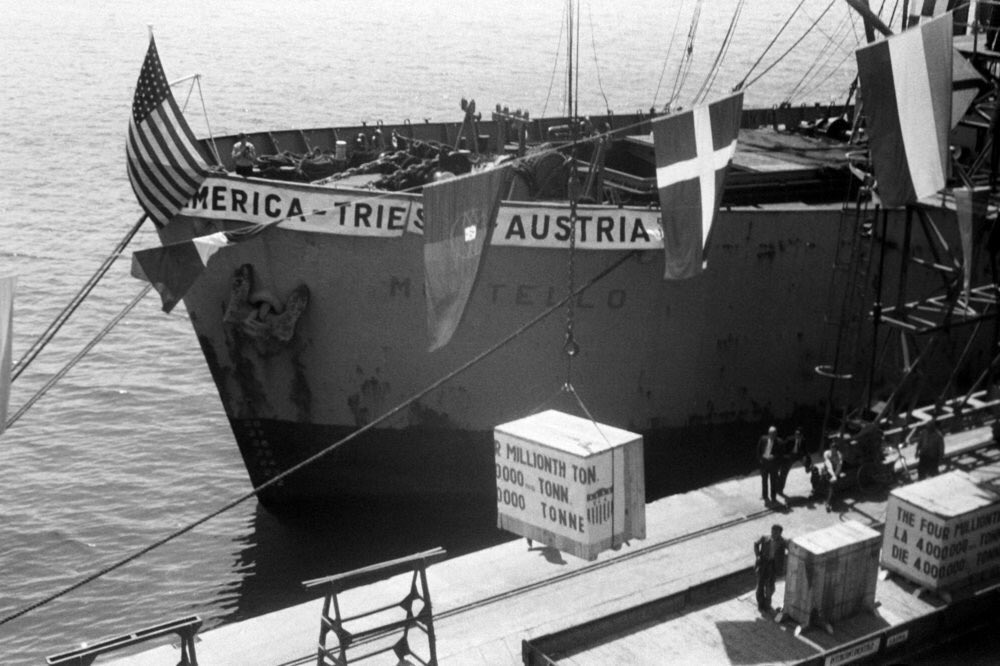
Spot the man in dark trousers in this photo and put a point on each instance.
(930, 450)
(768, 456)
(793, 450)
(769, 552)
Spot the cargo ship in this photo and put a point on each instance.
(313, 321)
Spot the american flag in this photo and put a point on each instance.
(165, 164)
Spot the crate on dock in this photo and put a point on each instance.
(831, 573)
(570, 483)
(944, 532)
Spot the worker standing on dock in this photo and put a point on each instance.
(244, 155)
(930, 450)
(768, 456)
(792, 450)
(832, 472)
(769, 553)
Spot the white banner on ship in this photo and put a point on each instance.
(378, 214)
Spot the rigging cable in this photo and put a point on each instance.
(53, 328)
(686, 60)
(308, 461)
(555, 67)
(597, 66)
(211, 138)
(742, 83)
(821, 83)
(713, 72)
(670, 48)
(830, 48)
(576, 80)
(793, 46)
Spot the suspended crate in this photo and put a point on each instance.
(570, 483)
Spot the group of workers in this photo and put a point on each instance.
(776, 456)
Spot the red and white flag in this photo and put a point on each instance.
(173, 268)
(7, 286)
(459, 216)
(693, 149)
(165, 162)
(906, 88)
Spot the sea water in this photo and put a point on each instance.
(132, 445)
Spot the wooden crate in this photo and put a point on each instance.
(570, 483)
(944, 532)
(831, 573)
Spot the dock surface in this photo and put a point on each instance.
(695, 562)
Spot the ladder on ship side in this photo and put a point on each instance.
(847, 300)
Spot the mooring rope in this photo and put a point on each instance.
(43, 340)
(79, 356)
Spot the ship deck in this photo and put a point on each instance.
(684, 594)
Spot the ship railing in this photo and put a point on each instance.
(376, 628)
(185, 628)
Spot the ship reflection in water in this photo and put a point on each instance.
(282, 550)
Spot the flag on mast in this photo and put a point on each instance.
(906, 83)
(460, 214)
(693, 149)
(7, 287)
(165, 163)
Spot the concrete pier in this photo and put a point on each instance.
(685, 594)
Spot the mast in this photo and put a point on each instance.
(569, 58)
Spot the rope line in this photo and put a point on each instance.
(727, 41)
(793, 46)
(555, 68)
(79, 356)
(670, 49)
(686, 61)
(830, 49)
(770, 44)
(204, 110)
(43, 340)
(357, 433)
(597, 66)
